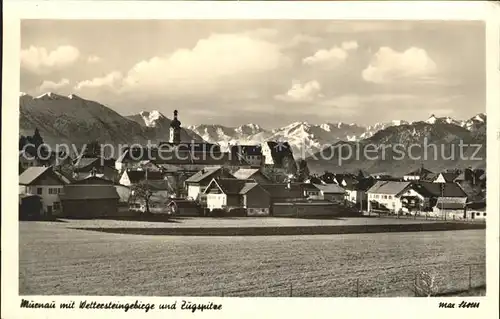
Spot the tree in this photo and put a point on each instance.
(92, 149)
(142, 190)
(289, 165)
(37, 139)
(360, 176)
(22, 142)
(302, 171)
(276, 176)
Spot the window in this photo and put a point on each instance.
(57, 205)
(477, 214)
(54, 191)
(39, 191)
(484, 214)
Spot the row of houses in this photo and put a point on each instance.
(210, 189)
(447, 200)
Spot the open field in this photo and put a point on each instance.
(55, 259)
(188, 222)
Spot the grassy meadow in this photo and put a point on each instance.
(57, 260)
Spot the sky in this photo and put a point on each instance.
(267, 72)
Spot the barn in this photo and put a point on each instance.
(89, 201)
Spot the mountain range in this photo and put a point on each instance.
(72, 119)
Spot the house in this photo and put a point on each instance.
(30, 207)
(344, 180)
(131, 177)
(252, 173)
(89, 201)
(97, 179)
(230, 193)
(460, 178)
(384, 196)
(314, 180)
(426, 194)
(86, 166)
(418, 174)
(356, 193)
(44, 182)
(123, 192)
(197, 183)
(252, 154)
(184, 207)
(161, 193)
(445, 177)
(451, 207)
(328, 178)
(284, 192)
(383, 176)
(27, 160)
(476, 210)
(331, 192)
(185, 156)
(308, 189)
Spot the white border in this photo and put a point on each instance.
(251, 307)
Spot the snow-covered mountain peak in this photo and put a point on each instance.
(432, 119)
(249, 129)
(481, 117)
(151, 118)
(24, 94)
(51, 96)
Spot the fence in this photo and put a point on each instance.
(424, 216)
(428, 281)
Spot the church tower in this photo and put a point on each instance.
(175, 130)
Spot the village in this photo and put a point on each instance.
(248, 180)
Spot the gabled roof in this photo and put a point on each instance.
(362, 185)
(328, 177)
(449, 177)
(87, 192)
(94, 178)
(388, 187)
(84, 162)
(419, 172)
(137, 176)
(307, 186)
(456, 200)
(451, 203)
(245, 173)
(34, 173)
(231, 186)
(249, 186)
(330, 188)
(203, 174)
(64, 177)
(460, 177)
(429, 189)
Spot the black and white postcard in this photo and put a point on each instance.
(230, 158)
